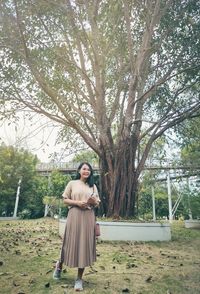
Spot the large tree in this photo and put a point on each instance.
(117, 73)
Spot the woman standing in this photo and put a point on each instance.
(79, 242)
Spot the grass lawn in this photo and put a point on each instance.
(29, 249)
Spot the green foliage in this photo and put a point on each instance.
(18, 164)
(56, 183)
(157, 153)
(191, 203)
(86, 156)
(189, 135)
(117, 73)
(25, 214)
(57, 35)
(32, 199)
(51, 200)
(145, 206)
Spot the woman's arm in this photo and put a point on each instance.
(94, 199)
(81, 204)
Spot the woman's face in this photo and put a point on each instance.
(84, 172)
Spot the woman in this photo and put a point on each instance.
(79, 242)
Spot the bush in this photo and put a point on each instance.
(148, 216)
(25, 214)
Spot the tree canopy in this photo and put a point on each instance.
(115, 73)
(189, 141)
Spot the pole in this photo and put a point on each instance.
(153, 203)
(169, 196)
(189, 207)
(46, 210)
(17, 198)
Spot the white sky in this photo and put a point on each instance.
(38, 136)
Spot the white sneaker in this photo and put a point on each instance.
(57, 271)
(78, 285)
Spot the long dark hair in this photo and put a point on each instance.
(90, 179)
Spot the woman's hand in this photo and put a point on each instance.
(82, 204)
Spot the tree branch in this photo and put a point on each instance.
(183, 116)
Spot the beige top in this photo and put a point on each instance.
(78, 190)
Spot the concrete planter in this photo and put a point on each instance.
(127, 231)
(192, 224)
(8, 218)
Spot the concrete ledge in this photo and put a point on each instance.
(8, 218)
(192, 224)
(127, 231)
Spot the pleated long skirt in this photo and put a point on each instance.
(79, 242)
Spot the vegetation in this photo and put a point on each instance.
(188, 206)
(115, 73)
(29, 250)
(88, 156)
(18, 164)
(37, 191)
(189, 134)
(191, 203)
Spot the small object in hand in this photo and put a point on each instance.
(91, 200)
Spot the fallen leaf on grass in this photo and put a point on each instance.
(47, 285)
(131, 265)
(131, 255)
(4, 274)
(65, 286)
(107, 286)
(149, 279)
(17, 252)
(15, 284)
(125, 290)
(32, 281)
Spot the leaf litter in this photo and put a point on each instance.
(29, 250)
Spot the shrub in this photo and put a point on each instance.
(25, 214)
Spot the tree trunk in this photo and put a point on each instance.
(120, 183)
(106, 167)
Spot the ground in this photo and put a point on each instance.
(30, 248)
